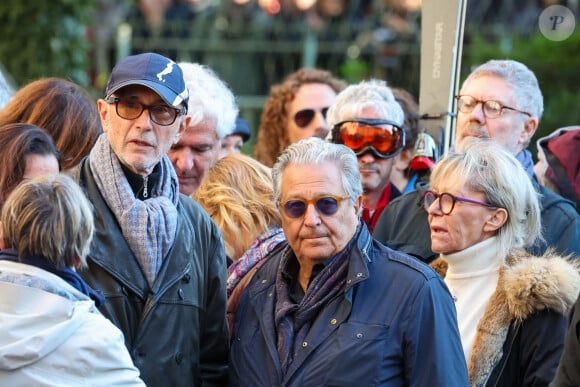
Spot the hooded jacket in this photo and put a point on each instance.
(520, 337)
(53, 335)
(563, 171)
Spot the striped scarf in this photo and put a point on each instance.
(148, 226)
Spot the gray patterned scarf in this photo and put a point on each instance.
(148, 226)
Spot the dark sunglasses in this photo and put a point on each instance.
(161, 114)
(304, 117)
(384, 138)
(325, 205)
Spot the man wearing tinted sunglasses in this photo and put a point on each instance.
(156, 255)
(367, 119)
(315, 314)
(501, 101)
(295, 109)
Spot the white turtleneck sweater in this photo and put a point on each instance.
(472, 278)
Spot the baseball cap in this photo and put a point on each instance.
(242, 128)
(160, 74)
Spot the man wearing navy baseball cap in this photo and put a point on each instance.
(156, 256)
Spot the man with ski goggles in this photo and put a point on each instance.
(383, 138)
(367, 119)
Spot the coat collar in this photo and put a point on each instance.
(110, 250)
(526, 284)
(262, 297)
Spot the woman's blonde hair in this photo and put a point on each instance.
(238, 194)
(486, 167)
(49, 217)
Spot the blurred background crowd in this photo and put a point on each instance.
(253, 44)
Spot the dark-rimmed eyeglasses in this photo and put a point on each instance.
(304, 117)
(325, 205)
(384, 138)
(491, 108)
(447, 201)
(161, 114)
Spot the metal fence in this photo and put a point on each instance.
(251, 57)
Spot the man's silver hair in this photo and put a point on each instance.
(527, 94)
(315, 151)
(209, 97)
(374, 94)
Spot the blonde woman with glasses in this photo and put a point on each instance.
(512, 306)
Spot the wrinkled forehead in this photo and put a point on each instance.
(488, 86)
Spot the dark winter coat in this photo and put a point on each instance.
(394, 324)
(176, 332)
(520, 337)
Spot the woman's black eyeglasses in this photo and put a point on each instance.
(160, 114)
(325, 205)
(447, 201)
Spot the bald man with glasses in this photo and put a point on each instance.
(500, 101)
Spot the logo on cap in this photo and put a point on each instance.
(168, 69)
(143, 69)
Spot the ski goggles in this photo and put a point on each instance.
(383, 138)
(325, 205)
(304, 117)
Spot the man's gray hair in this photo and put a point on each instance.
(209, 97)
(315, 151)
(49, 217)
(527, 94)
(374, 94)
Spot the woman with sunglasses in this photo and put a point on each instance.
(511, 306)
(335, 307)
(295, 109)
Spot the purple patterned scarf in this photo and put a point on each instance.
(258, 250)
(292, 320)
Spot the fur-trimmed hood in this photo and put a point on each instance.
(527, 284)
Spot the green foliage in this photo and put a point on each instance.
(45, 38)
(354, 70)
(556, 65)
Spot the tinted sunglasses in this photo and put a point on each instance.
(304, 117)
(384, 138)
(325, 205)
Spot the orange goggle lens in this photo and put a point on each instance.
(384, 138)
